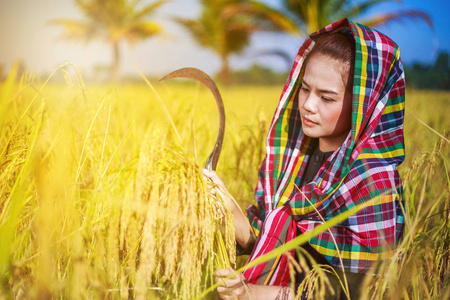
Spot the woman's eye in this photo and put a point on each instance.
(327, 99)
(304, 89)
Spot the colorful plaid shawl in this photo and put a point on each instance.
(364, 167)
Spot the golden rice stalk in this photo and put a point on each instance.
(90, 209)
(222, 260)
(182, 223)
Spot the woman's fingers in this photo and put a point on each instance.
(235, 280)
(214, 177)
(217, 187)
(233, 288)
(225, 272)
(226, 294)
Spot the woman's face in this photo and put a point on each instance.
(324, 102)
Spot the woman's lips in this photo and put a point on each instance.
(308, 122)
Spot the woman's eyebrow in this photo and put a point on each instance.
(328, 92)
(304, 82)
(323, 91)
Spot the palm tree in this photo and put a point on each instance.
(112, 21)
(311, 15)
(225, 27)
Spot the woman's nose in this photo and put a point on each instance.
(310, 104)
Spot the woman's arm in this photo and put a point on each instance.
(244, 233)
(237, 287)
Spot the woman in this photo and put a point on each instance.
(334, 142)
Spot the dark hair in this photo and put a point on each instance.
(339, 46)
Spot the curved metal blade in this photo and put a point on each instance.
(196, 74)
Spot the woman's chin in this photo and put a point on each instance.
(310, 133)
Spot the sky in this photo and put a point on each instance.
(26, 34)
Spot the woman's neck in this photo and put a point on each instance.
(331, 143)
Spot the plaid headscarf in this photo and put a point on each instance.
(364, 167)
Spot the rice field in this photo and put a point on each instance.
(101, 194)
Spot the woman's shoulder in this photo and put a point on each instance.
(373, 174)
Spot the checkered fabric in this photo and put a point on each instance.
(364, 167)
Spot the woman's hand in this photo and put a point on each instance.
(244, 233)
(236, 287)
(217, 186)
(214, 177)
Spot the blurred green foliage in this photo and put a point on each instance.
(418, 75)
(434, 77)
(260, 75)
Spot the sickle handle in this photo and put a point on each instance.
(196, 74)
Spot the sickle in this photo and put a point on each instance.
(204, 78)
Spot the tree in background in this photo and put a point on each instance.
(311, 15)
(436, 77)
(259, 75)
(112, 21)
(225, 27)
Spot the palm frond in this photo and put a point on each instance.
(333, 6)
(77, 30)
(142, 30)
(352, 11)
(149, 9)
(297, 8)
(197, 30)
(236, 40)
(399, 16)
(90, 9)
(262, 14)
(246, 27)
